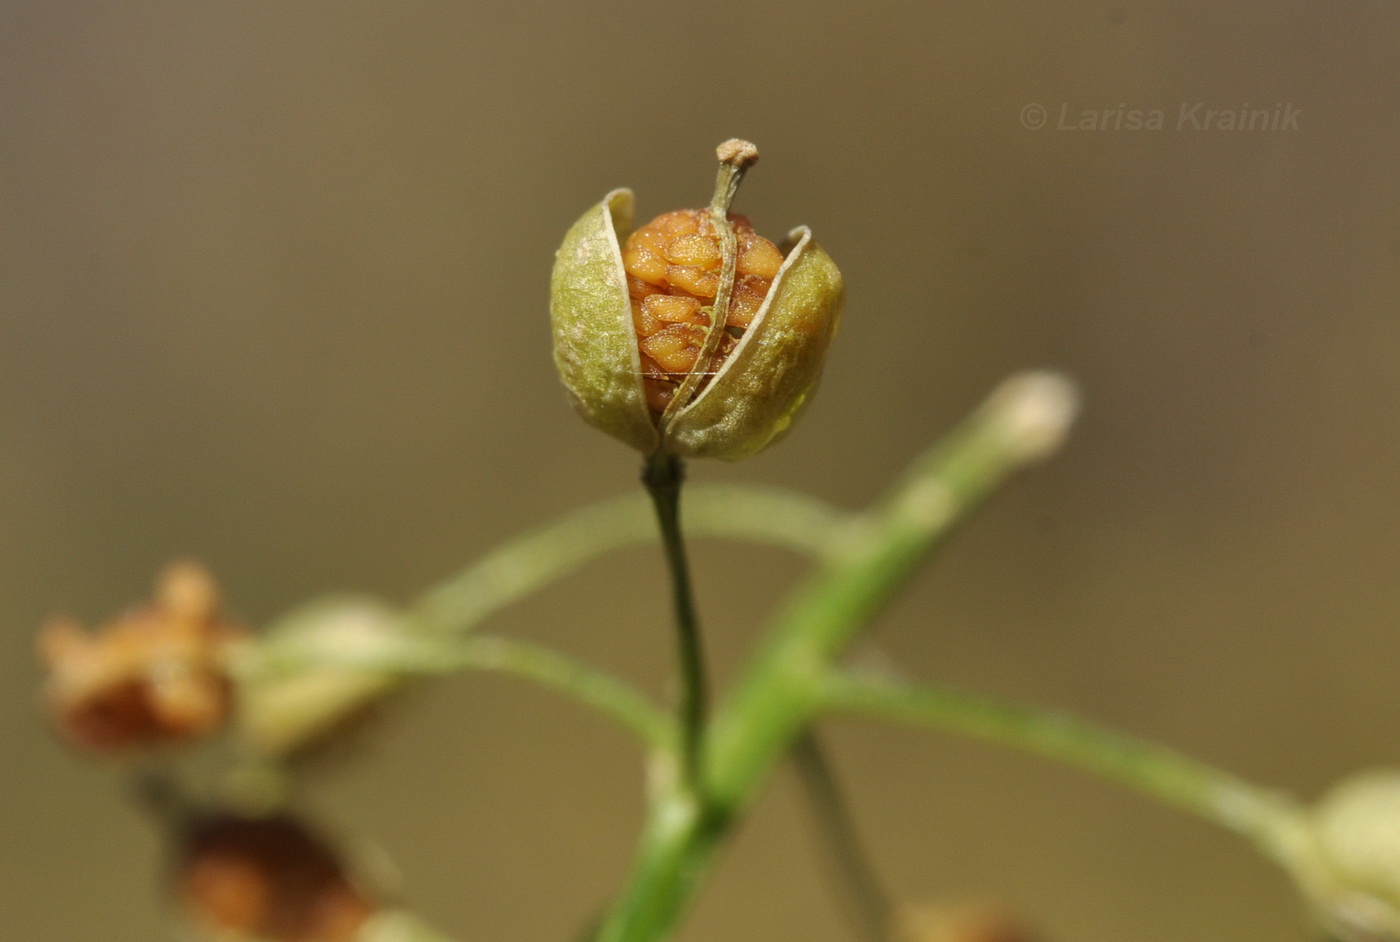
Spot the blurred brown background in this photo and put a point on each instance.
(273, 293)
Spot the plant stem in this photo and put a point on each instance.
(531, 561)
(678, 840)
(292, 708)
(663, 476)
(594, 688)
(406, 654)
(866, 900)
(1217, 796)
(1022, 422)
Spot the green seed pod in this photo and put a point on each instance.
(281, 710)
(1352, 866)
(729, 406)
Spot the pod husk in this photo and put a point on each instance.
(595, 346)
(768, 378)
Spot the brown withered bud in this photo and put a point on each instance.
(967, 923)
(153, 675)
(268, 879)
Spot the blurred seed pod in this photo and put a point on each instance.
(287, 710)
(621, 356)
(1347, 859)
(155, 674)
(270, 879)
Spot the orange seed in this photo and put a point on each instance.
(672, 266)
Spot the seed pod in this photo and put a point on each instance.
(1348, 859)
(285, 713)
(749, 376)
(246, 878)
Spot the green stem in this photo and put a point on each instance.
(594, 688)
(284, 712)
(663, 477)
(676, 845)
(529, 562)
(1022, 422)
(866, 900)
(1217, 796)
(404, 654)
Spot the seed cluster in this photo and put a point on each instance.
(673, 272)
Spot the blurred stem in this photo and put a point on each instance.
(866, 900)
(405, 654)
(1217, 796)
(1022, 422)
(594, 688)
(663, 476)
(317, 701)
(531, 561)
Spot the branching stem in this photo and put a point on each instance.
(1263, 816)
(780, 694)
(406, 655)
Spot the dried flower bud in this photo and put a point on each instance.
(640, 348)
(155, 674)
(268, 879)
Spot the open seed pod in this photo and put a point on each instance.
(749, 376)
